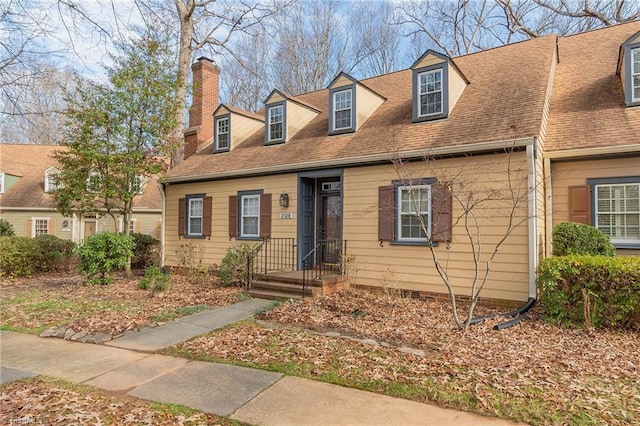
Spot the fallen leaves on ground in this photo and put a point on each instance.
(54, 402)
(532, 372)
(62, 300)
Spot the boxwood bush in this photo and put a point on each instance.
(146, 251)
(102, 253)
(19, 256)
(233, 267)
(55, 253)
(577, 238)
(610, 286)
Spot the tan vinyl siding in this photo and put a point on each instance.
(243, 127)
(222, 110)
(411, 267)
(215, 248)
(297, 117)
(342, 81)
(21, 221)
(427, 61)
(275, 97)
(573, 173)
(455, 88)
(366, 104)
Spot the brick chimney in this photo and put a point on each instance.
(206, 76)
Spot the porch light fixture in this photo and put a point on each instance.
(284, 200)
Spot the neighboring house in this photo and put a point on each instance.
(555, 120)
(27, 176)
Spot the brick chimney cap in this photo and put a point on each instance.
(201, 58)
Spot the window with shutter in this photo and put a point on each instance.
(194, 216)
(250, 215)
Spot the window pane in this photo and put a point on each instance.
(250, 206)
(41, 227)
(250, 226)
(636, 86)
(618, 210)
(195, 207)
(275, 131)
(636, 61)
(343, 119)
(195, 225)
(275, 114)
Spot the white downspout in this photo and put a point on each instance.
(533, 217)
(162, 225)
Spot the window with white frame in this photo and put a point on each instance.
(635, 74)
(1, 182)
(40, 226)
(132, 224)
(430, 92)
(276, 123)
(342, 109)
(194, 215)
(222, 133)
(138, 185)
(250, 215)
(51, 180)
(414, 211)
(617, 211)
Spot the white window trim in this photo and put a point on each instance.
(634, 73)
(1, 182)
(336, 110)
(597, 213)
(218, 133)
(132, 225)
(243, 216)
(142, 183)
(399, 214)
(420, 94)
(190, 216)
(281, 122)
(33, 225)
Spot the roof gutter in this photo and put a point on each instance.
(365, 159)
(164, 209)
(589, 152)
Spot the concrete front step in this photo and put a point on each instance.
(273, 295)
(284, 287)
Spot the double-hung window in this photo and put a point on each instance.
(222, 134)
(617, 211)
(342, 110)
(276, 123)
(40, 226)
(250, 216)
(51, 180)
(194, 216)
(430, 92)
(414, 212)
(635, 74)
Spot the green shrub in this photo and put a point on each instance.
(233, 267)
(19, 256)
(599, 291)
(6, 229)
(102, 253)
(55, 253)
(146, 251)
(577, 238)
(154, 280)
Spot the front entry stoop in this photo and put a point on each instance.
(285, 285)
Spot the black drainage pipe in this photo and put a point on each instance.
(515, 313)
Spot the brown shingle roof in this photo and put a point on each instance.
(29, 162)
(587, 105)
(503, 101)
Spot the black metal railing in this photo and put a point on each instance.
(272, 254)
(326, 258)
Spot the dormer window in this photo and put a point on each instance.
(342, 109)
(1, 182)
(275, 121)
(430, 92)
(635, 73)
(222, 137)
(629, 70)
(51, 176)
(138, 185)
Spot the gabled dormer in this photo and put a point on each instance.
(629, 69)
(51, 179)
(232, 126)
(351, 103)
(437, 86)
(285, 116)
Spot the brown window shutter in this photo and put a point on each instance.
(137, 226)
(233, 216)
(441, 208)
(27, 228)
(265, 215)
(51, 227)
(386, 211)
(580, 204)
(182, 207)
(158, 229)
(207, 206)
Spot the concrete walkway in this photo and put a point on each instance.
(249, 395)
